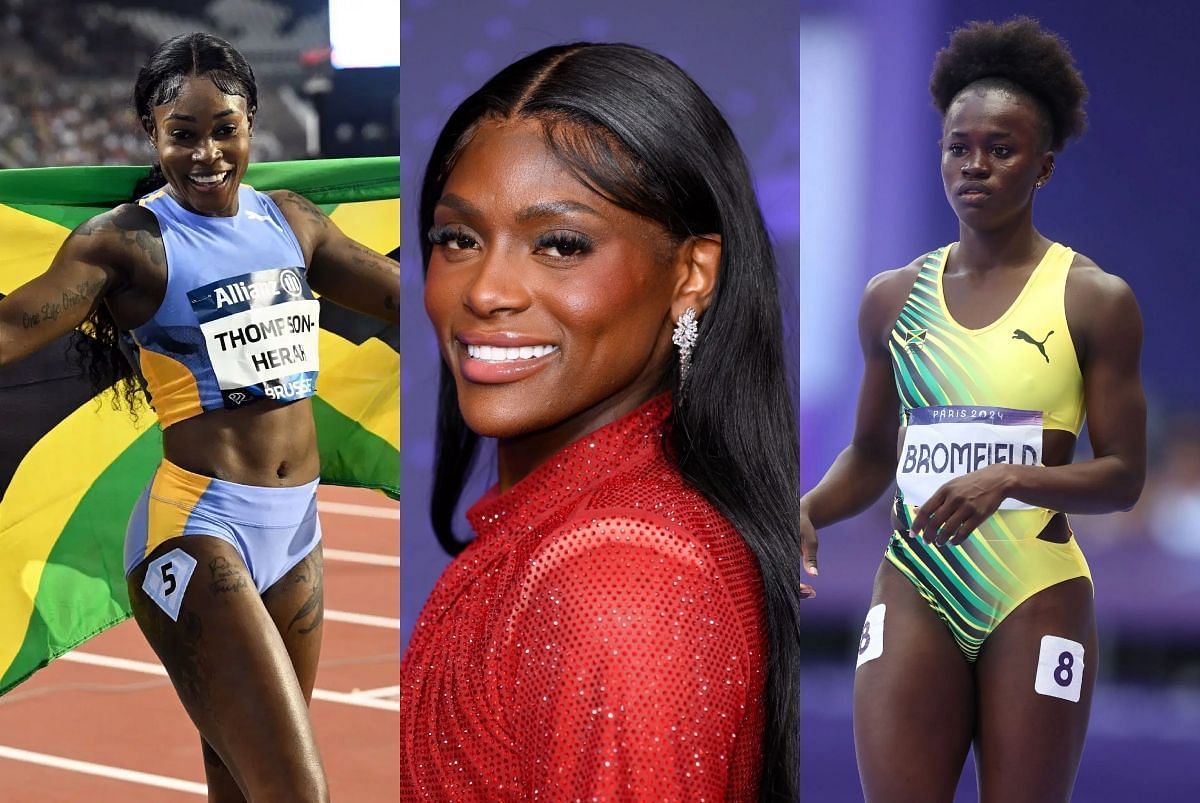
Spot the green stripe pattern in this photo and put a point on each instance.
(971, 586)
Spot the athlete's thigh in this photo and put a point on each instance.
(296, 604)
(913, 702)
(227, 662)
(1031, 733)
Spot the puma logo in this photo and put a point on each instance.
(1021, 334)
(264, 218)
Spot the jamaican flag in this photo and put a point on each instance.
(72, 467)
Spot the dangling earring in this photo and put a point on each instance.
(685, 337)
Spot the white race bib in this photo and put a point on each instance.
(261, 330)
(942, 443)
(1059, 668)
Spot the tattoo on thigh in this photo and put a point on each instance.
(225, 576)
(313, 608)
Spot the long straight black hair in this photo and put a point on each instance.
(635, 128)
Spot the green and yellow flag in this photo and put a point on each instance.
(71, 467)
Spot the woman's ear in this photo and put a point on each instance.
(697, 262)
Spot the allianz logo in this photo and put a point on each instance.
(240, 292)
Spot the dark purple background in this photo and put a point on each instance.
(830, 102)
(747, 63)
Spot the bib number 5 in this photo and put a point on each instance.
(167, 579)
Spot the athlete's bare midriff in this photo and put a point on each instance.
(265, 443)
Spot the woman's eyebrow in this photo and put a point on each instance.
(553, 208)
(459, 204)
(532, 212)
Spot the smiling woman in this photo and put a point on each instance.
(555, 259)
(200, 296)
(623, 624)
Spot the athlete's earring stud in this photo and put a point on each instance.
(684, 336)
(1039, 184)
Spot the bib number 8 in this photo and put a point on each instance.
(1063, 674)
(1060, 668)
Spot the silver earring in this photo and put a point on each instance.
(685, 337)
(1038, 185)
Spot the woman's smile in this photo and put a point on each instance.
(552, 304)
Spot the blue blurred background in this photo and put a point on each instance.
(830, 102)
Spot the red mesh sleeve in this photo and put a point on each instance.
(634, 673)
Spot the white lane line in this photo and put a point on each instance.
(386, 691)
(366, 511)
(88, 768)
(367, 619)
(369, 558)
(112, 662)
(356, 699)
(146, 668)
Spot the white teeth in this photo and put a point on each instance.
(213, 179)
(507, 354)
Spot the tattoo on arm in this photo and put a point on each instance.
(366, 258)
(141, 233)
(90, 226)
(310, 210)
(83, 293)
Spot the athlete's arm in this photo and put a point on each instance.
(85, 268)
(1103, 314)
(865, 468)
(344, 271)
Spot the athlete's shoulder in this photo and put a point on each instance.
(310, 225)
(1098, 301)
(293, 203)
(884, 297)
(895, 280)
(1088, 279)
(123, 217)
(127, 230)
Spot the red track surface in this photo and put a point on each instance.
(132, 721)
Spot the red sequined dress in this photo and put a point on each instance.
(602, 638)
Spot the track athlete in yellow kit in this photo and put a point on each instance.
(981, 626)
(211, 279)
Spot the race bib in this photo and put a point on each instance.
(942, 443)
(261, 330)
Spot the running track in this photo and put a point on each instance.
(103, 722)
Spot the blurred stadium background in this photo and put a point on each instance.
(67, 70)
(829, 99)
